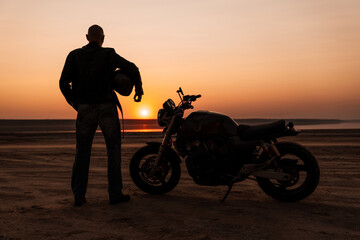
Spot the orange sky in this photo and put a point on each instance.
(267, 59)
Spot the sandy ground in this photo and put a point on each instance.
(37, 203)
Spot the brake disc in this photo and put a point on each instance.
(158, 177)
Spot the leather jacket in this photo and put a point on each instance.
(88, 74)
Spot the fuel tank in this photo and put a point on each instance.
(206, 124)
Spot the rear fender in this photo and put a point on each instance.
(290, 130)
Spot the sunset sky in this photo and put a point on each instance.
(248, 59)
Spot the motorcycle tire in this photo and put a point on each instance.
(141, 164)
(287, 191)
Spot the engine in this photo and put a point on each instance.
(203, 137)
(210, 162)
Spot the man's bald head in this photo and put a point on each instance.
(95, 34)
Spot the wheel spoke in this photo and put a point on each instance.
(301, 168)
(163, 182)
(282, 187)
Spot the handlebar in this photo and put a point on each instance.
(191, 97)
(186, 100)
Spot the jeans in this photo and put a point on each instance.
(89, 117)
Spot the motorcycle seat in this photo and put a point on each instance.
(263, 131)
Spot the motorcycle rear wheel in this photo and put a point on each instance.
(297, 161)
(166, 179)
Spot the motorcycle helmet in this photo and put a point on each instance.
(122, 83)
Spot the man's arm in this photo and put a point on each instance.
(132, 70)
(66, 79)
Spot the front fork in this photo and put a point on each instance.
(165, 142)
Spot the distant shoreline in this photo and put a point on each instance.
(151, 125)
(320, 120)
(297, 121)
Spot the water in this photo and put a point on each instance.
(344, 125)
(150, 125)
(309, 124)
(63, 126)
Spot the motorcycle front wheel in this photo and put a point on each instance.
(164, 180)
(303, 168)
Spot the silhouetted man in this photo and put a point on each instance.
(86, 83)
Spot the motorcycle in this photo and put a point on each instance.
(218, 151)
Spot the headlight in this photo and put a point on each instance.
(169, 105)
(165, 114)
(161, 114)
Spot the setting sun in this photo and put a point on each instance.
(144, 112)
(294, 59)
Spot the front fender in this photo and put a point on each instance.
(168, 150)
(154, 144)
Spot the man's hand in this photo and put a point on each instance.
(138, 94)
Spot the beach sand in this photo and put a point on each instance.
(37, 202)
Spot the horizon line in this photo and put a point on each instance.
(63, 119)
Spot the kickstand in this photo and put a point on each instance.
(227, 192)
